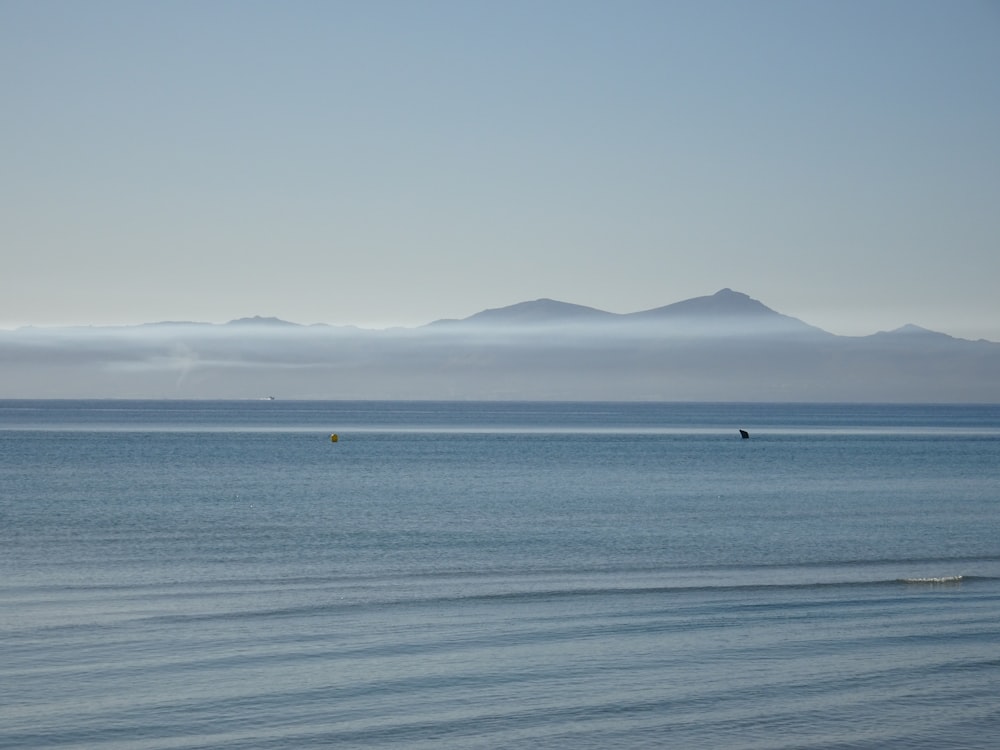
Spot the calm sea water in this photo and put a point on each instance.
(502, 575)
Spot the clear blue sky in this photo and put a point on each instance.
(385, 163)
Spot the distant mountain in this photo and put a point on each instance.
(724, 303)
(910, 332)
(257, 320)
(725, 312)
(544, 312)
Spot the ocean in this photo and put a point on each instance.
(221, 574)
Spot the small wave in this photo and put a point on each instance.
(941, 579)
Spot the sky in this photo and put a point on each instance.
(389, 162)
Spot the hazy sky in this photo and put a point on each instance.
(382, 163)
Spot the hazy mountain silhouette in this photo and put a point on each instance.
(722, 347)
(725, 312)
(538, 312)
(725, 303)
(257, 320)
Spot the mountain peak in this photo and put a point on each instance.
(913, 331)
(727, 292)
(911, 328)
(724, 302)
(726, 312)
(542, 311)
(257, 320)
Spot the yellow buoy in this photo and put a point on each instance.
(334, 438)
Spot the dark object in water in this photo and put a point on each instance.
(744, 434)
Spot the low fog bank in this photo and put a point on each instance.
(704, 356)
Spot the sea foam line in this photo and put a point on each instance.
(941, 579)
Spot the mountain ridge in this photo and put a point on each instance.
(698, 315)
(725, 311)
(723, 303)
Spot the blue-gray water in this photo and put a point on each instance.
(469, 575)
